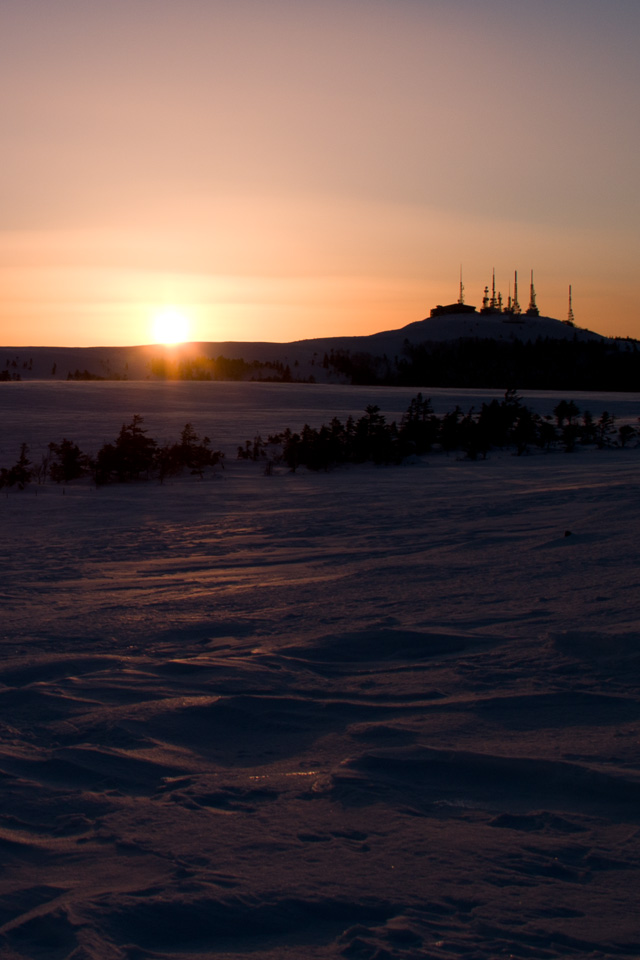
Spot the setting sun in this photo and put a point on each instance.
(170, 326)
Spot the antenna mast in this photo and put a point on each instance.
(461, 297)
(515, 307)
(533, 309)
(571, 320)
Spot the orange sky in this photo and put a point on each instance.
(283, 169)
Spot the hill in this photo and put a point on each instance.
(450, 348)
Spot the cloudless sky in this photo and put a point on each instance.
(284, 169)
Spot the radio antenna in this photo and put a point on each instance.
(571, 320)
(533, 309)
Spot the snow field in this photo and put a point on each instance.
(376, 712)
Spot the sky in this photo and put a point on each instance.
(286, 169)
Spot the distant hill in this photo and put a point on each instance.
(455, 326)
(393, 356)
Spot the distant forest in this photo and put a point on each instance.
(508, 423)
(545, 364)
(220, 368)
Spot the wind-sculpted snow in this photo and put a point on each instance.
(380, 712)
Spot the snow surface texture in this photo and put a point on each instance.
(373, 713)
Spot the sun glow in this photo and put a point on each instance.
(170, 326)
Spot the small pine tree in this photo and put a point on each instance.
(69, 463)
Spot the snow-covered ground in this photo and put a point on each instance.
(380, 712)
(91, 414)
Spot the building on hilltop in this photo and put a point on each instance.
(457, 308)
(493, 303)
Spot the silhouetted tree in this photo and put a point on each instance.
(131, 456)
(19, 475)
(69, 463)
(449, 429)
(565, 410)
(587, 429)
(605, 430)
(419, 426)
(626, 433)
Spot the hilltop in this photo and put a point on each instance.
(303, 358)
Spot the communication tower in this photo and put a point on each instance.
(515, 306)
(532, 310)
(571, 320)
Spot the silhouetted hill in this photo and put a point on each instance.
(465, 349)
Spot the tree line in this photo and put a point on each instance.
(543, 364)
(133, 455)
(221, 368)
(499, 424)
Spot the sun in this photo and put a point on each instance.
(170, 326)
